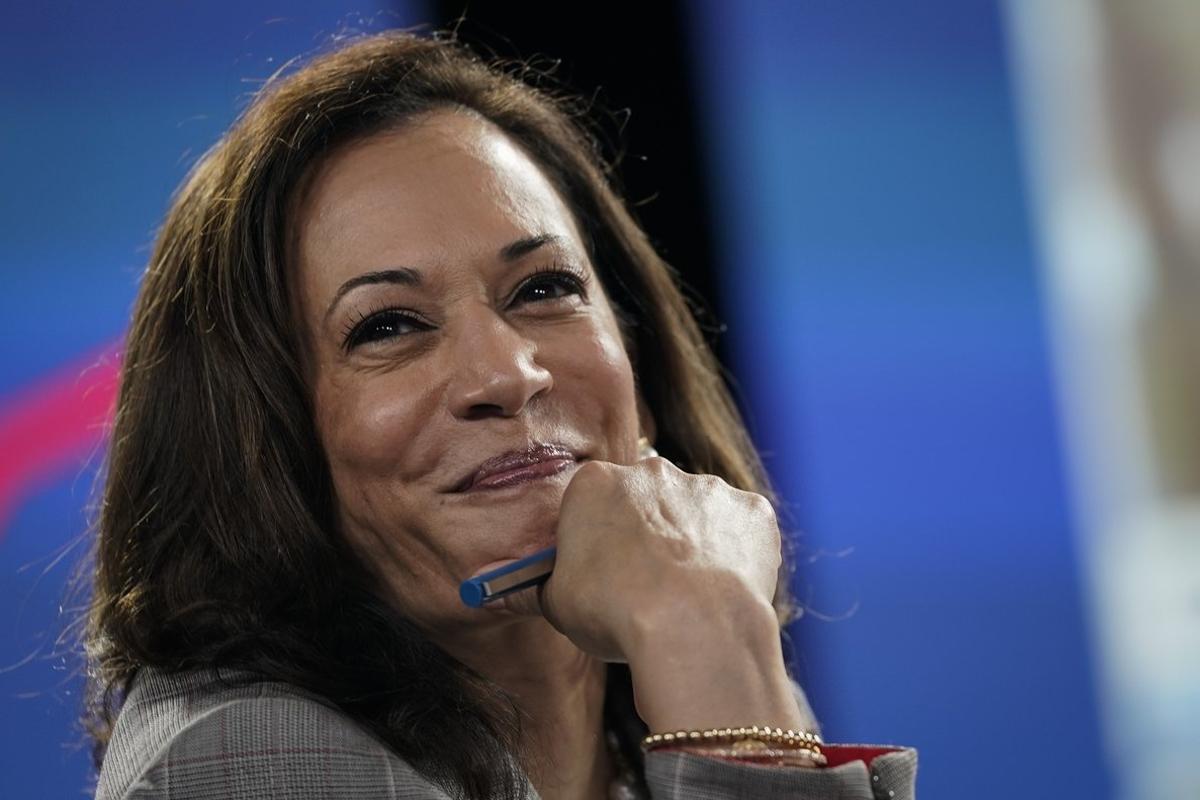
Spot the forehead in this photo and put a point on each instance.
(448, 188)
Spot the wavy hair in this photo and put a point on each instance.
(216, 543)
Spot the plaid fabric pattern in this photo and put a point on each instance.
(190, 737)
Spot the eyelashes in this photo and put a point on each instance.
(568, 278)
(374, 325)
(562, 280)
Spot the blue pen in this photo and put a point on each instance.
(528, 571)
(514, 577)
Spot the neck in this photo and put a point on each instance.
(559, 691)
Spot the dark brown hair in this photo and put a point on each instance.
(215, 535)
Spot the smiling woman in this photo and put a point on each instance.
(397, 331)
(479, 350)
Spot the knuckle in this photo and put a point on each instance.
(761, 504)
(658, 465)
(593, 470)
(710, 484)
(591, 477)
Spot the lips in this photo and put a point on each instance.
(517, 466)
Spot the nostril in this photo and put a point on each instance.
(484, 410)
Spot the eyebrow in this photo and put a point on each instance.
(407, 276)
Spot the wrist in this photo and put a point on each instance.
(723, 615)
(712, 668)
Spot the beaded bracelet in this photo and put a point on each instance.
(762, 736)
(757, 752)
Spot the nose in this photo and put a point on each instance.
(493, 369)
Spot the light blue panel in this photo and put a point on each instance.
(880, 286)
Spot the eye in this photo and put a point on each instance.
(553, 283)
(379, 325)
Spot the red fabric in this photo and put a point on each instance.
(838, 754)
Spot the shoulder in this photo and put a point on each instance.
(200, 735)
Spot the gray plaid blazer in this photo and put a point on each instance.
(187, 737)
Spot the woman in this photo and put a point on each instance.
(397, 330)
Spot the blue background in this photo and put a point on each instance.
(888, 330)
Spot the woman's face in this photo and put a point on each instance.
(452, 316)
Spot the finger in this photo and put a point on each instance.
(527, 602)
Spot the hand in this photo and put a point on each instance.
(648, 547)
(675, 574)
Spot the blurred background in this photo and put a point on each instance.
(947, 250)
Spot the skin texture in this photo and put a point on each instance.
(653, 562)
(487, 371)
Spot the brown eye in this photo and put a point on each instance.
(549, 288)
(381, 325)
(549, 285)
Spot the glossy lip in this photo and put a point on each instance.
(513, 460)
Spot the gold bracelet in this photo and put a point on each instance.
(786, 739)
(756, 752)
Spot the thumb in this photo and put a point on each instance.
(527, 602)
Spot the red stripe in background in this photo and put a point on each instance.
(50, 426)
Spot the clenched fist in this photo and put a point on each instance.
(648, 548)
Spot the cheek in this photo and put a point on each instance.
(371, 428)
(596, 380)
(618, 373)
(368, 425)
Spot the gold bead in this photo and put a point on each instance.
(756, 738)
(748, 745)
